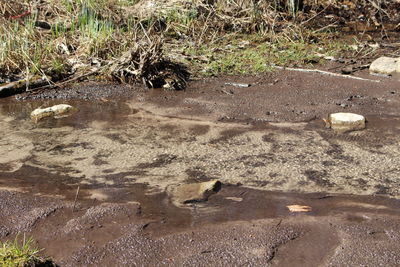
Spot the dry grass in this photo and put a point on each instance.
(62, 39)
(146, 60)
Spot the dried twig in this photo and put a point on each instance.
(76, 198)
(326, 73)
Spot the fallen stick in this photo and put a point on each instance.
(227, 92)
(76, 78)
(76, 197)
(26, 13)
(326, 73)
(64, 82)
(239, 84)
(12, 88)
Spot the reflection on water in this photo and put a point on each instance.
(113, 143)
(113, 112)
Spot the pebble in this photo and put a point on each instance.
(344, 122)
(385, 65)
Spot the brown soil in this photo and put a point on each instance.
(266, 143)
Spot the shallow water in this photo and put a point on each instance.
(120, 142)
(98, 181)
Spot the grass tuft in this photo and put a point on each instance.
(14, 254)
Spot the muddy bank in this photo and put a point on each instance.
(266, 143)
(236, 226)
(272, 97)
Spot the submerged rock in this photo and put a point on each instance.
(198, 192)
(343, 122)
(385, 65)
(56, 111)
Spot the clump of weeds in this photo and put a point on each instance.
(67, 41)
(21, 254)
(61, 41)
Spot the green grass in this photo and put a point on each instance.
(252, 54)
(24, 49)
(105, 29)
(19, 50)
(14, 254)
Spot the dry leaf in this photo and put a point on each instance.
(299, 208)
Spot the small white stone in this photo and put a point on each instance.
(346, 121)
(385, 65)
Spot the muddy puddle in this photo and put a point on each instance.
(121, 142)
(97, 181)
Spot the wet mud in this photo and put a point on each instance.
(91, 188)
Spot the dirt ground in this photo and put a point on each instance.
(266, 143)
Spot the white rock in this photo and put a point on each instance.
(344, 122)
(54, 111)
(385, 65)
